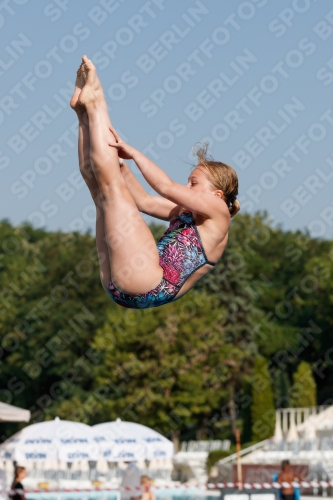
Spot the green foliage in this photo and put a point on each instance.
(158, 230)
(262, 407)
(303, 391)
(216, 455)
(166, 363)
(291, 280)
(281, 387)
(66, 349)
(51, 304)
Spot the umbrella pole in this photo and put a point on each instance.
(58, 479)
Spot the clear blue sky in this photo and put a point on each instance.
(254, 78)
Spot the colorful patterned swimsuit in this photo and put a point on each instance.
(181, 254)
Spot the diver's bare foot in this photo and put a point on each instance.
(79, 83)
(92, 90)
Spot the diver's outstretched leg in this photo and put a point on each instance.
(133, 256)
(89, 177)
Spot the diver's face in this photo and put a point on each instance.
(198, 180)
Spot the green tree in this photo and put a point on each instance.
(52, 302)
(281, 386)
(244, 283)
(53, 310)
(229, 283)
(316, 312)
(304, 391)
(262, 407)
(165, 367)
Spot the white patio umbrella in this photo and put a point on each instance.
(9, 413)
(127, 441)
(56, 439)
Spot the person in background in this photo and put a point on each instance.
(147, 492)
(288, 476)
(19, 474)
(131, 479)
